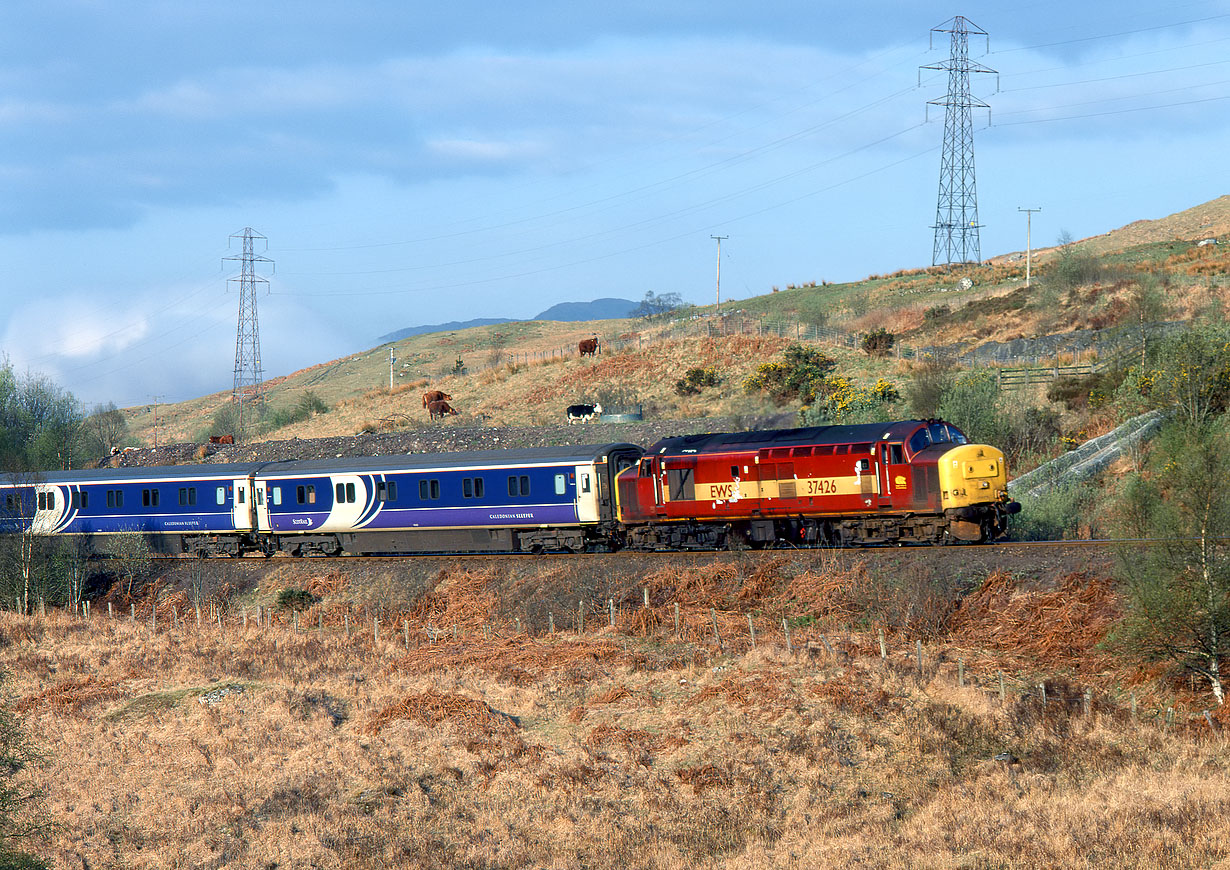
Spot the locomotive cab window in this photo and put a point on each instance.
(920, 440)
(895, 454)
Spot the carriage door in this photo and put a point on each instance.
(261, 492)
(894, 475)
(241, 504)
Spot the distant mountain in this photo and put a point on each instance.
(451, 326)
(600, 309)
(607, 308)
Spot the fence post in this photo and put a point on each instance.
(960, 672)
(375, 629)
(132, 611)
(645, 591)
(716, 636)
(676, 620)
(1133, 706)
(918, 655)
(883, 648)
(1042, 691)
(610, 606)
(405, 632)
(109, 613)
(581, 616)
(751, 629)
(786, 629)
(1002, 695)
(551, 623)
(347, 624)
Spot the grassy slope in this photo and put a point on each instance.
(620, 748)
(997, 308)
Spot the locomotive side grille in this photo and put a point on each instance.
(787, 489)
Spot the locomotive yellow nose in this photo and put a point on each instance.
(972, 474)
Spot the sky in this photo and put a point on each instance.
(410, 164)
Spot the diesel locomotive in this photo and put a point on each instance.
(909, 482)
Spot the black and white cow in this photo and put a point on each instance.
(583, 413)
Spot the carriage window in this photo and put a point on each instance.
(42, 501)
(561, 485)
(241, 494)
(350, 492)
(220, 493)
(149, 498)
(311, 494)
(299, 494)
(423, 490)
(478, 487)
(74, 500)
(260, 496)
(277, 495)
(584, 483)
(187, 495)
(340, 493)
(467, 487)
(519, 485)
(386, 490)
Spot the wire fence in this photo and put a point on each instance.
(721, 633)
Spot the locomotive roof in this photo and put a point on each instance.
(862, 433)
(236, 470)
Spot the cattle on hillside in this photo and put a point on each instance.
(221, 439)
(589, 347)
(435, 396)
(583, 413)
(439, 409)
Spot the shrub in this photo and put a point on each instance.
(296, 599)
(843, 402)
(1055, 515)
(802, 374)
(936, 313)
(879, 342)
(696, 380)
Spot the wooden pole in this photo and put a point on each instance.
(751, 629)
(1002, 695)
(883, 648)
(786, 630)
(716, 636)
(676, 620)
(960, 672)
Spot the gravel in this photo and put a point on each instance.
(443, 439)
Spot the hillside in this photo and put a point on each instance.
(526, 372)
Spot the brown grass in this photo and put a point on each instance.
(263, 747)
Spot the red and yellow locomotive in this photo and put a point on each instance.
(914, 481)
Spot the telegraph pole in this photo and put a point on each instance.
(392, 359)
(717, 309)
(155, 398)
(1029, 217)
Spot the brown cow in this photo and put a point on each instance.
(440, 409)
(435, 396)
(221, 439)
(589, 347)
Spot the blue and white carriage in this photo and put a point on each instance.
(505, 501)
